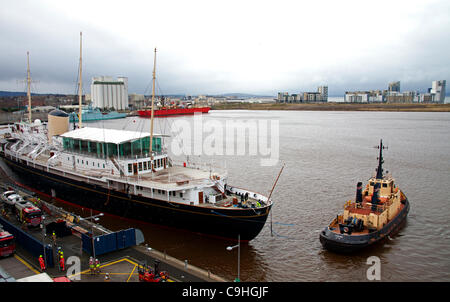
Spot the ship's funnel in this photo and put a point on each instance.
(359, 192)
(58, 123)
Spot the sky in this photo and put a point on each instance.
(215, 47)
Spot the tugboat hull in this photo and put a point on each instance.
(343, 243)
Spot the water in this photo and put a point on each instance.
(326, 154)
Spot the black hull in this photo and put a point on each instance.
(343, 243)
(223, 222)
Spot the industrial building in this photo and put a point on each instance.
(109, 93)
(438, 90)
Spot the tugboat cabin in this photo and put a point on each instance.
(386, 186)
(126, 153)
(373, 208)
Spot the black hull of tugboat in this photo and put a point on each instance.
(218, 222)
(345, 244)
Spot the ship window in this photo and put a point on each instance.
(181, 194)
(82, 161)
(149, 165)
(84, 146)
(371, 183)
(76, 144)
(159, 191)
(87, 163)
(130, 168)
(103, 165)
(156, 145)
(384, 185)
(78, 160)
(140, 166)
(145, 165)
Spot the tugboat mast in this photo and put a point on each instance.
(380, 161)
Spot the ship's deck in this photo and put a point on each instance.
(175, 177)
(363, 210)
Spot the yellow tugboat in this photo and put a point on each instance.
(378, 211)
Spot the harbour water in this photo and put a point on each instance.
(326, 154)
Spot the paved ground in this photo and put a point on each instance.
(121, 264)
(17, 267)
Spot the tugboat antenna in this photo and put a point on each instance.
(380, 160)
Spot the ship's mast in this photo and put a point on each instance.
(153, 104)
(28, 87)
(80, 95)
(380, 161)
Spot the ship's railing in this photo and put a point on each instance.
(204, 166)
(375, 208)
(121, 157)
(253, 195)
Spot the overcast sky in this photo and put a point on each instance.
(213, 47)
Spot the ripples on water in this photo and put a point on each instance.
(326, 154)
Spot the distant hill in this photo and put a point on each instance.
(245, 95)
(21, 93)
(11, 93)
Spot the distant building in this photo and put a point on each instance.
(109, 93)
(401, 97)
(370, 96)
(438, 89)
(394, 86)
(427, 97)
(323, 90)
(282, 97)
(136, 101)
(356, 97)
(311, 97)
(304, 97)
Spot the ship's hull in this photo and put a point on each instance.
(87, 117)
(218, 222)
(177, 111)
(343, 243)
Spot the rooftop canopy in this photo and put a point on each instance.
(102, 135)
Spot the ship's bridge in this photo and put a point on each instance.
(386, 185)
(129, 151)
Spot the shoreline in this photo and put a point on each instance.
(335, 106)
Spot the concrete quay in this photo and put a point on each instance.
(120, 265)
